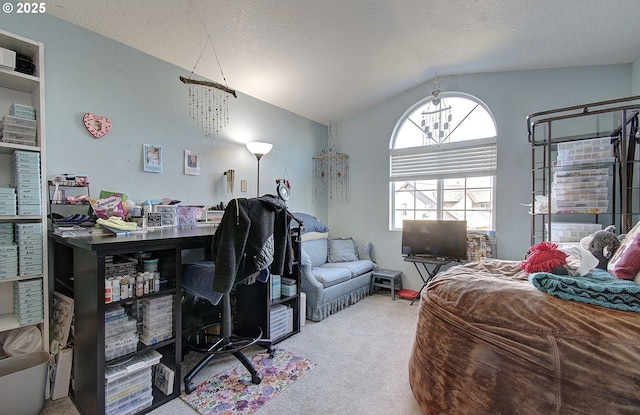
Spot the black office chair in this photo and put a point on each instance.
(252, 237)
(197, 282)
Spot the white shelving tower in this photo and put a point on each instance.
(24, 89)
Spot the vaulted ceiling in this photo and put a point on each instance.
(329, 59)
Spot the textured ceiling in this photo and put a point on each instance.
(329, 59)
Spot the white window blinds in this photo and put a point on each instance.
(459, 159)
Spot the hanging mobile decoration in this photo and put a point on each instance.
(436, 119)
(331, 171)
(208, 103)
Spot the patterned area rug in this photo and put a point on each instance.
(232, 392)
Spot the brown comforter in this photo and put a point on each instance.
(488, 342)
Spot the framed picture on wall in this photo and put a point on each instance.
(191, 163)
(152, 158)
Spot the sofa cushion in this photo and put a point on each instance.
(342, 250)
(364, 249)
(355, 267)
(328, 276)
(317, 250)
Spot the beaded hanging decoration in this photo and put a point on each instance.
(331, 171)
(208, 103)
(208, 108)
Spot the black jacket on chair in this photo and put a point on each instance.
(253, 236)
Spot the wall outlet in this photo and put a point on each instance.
(243, 185)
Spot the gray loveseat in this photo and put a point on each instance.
(336, 273)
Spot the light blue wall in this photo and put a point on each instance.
(511, 96)
(635, 77)
(147, 104)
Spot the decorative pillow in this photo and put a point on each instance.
(625, 262)
(342, 250)
(309, 223)
(364, 250)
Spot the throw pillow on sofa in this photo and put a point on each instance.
(364, 250)
(342, 250)
(309, 223)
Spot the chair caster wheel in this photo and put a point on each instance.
(256, 379)
(272, 351)
(190, 387)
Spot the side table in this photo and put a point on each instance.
(386, 278)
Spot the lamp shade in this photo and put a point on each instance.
(259, 147)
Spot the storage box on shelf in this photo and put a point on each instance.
(19, 126)
(157, 319)
(129, 385)
(572, 231)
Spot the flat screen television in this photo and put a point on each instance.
(435, 238)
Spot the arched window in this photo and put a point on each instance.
(443, 162)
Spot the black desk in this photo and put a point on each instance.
(426, 261)
(79, 269)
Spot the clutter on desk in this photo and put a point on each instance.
(69, 180)
(186, 217)
(109, 205)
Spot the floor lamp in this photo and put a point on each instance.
(258, 149)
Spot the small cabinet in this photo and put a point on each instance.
(276, 313)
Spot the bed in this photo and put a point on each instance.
(489, 342)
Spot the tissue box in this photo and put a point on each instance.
(288, 290)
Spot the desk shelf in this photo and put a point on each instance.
(255, 303)
(84, 260)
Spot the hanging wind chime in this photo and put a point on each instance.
(436, 119)
(208, 103)
(331, 171)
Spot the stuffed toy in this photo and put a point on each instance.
(545, 257)
(602, 244)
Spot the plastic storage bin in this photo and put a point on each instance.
(572, 231)
(22, 382)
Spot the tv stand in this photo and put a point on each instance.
(427, 261)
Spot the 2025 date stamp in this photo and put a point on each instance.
(24, 8)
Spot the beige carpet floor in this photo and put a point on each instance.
(362, 354)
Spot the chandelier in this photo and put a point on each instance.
(436, 118)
